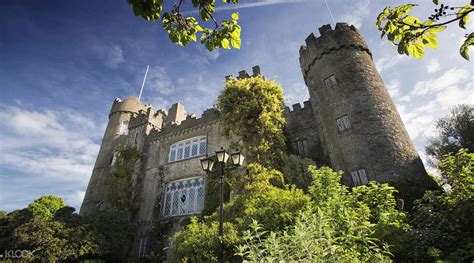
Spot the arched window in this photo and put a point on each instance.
(184, 197)
(187, 149)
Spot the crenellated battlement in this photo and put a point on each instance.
(331, 40)
(148, 116)
(191, 122)
(296, 108)
(243, 73)
(297, 115)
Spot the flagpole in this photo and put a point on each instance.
(329, 10)
(143, 84)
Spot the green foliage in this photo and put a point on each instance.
(454, 132)
(9, 223)
(442, 222)
(295, 171)
(211, 195)
(274, 207)
(412, 36)
(410, 189)
(182, 30)
(119, 192)
(199, 242)
(46, 206)
(115, 222)
(252, 109)
(52, 240)
(464, 50)
(339, 225)
(458, 170)
(61, 237)
(116, 231)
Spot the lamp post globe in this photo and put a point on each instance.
(237, 158)
(222, 156)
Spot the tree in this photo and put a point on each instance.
(62, 236)
(454, 132)
(184, 29)
(412, 36)
(54, 240)
(46, 206)
(252, 109)
(442, 222)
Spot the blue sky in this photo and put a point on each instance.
(62, 63)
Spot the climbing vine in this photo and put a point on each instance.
(119, 192)
(252, 109)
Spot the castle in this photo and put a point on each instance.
(350, 117)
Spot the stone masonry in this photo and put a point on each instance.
(350, 117)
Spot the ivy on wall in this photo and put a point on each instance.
(252, 109)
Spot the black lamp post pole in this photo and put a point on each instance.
(221, 217)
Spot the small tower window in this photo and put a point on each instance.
(142, 247)
(301, 147)
(330, 81)
(359, 177)
(124, 128)
(100, 206)
(343, 123)
(113, 160)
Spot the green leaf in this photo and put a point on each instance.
(462, 13)
(416, 50)
(430, 40)
(225, 43)
(436, 2)
(235, 16)
(235, 42)
(192, 37)
(464, 50)
(382, 17)
(437, 29)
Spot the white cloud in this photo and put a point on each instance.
(450, 78)
(386, 63)
(358, 11)
(225, 7)
(433, 66)
(47, 147)
(393, 88)
(114, 56)
(159, 81)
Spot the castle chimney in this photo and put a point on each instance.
(256, 71)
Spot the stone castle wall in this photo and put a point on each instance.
(377, 140)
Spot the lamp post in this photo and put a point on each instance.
(207, 164)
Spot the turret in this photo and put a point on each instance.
(116, 134)
(358, 124)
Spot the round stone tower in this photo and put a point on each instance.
(116, 134)
(358, 124)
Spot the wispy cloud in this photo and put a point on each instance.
(433, 66)
(114, 56)
(226, 7)
(357, 13)
(51, 145)
(386, 63)
(449, 79)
